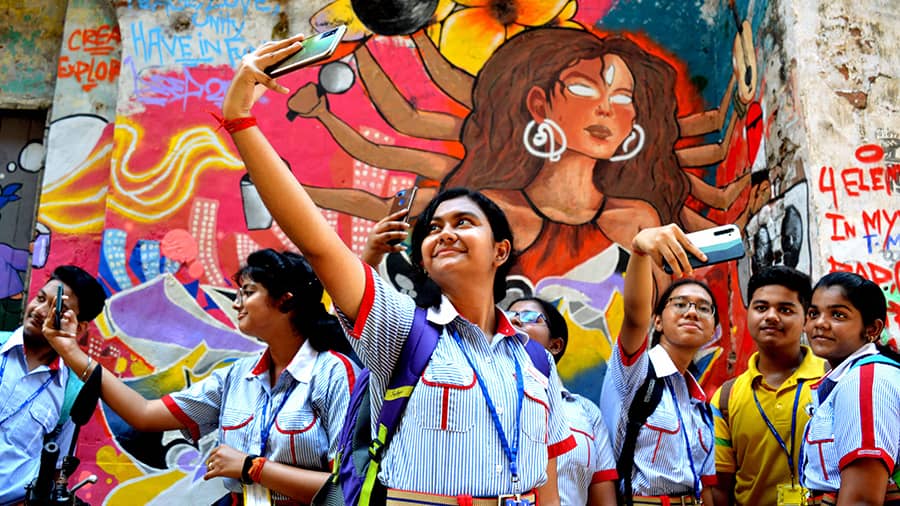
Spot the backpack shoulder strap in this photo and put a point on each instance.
(724, 397)
(877, 359)
(414, 357)
(538, 355)
(645, 401)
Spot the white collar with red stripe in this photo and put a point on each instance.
(663, 365)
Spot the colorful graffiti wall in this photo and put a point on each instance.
(647, 127)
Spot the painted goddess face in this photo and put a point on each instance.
(595, 107)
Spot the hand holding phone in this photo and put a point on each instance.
(57, 315)
(314, 49)
(403, 201)
(719, 244)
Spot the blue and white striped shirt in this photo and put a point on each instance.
(232, 399)
(661, 462)
(858, 419)
(446, 442)
(592, 460)
(22, 430)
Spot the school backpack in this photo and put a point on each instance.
(354, 474)
(73, 386)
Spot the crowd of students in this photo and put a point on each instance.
(817, 424)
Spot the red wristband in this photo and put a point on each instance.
(256, 469)
(235, 125)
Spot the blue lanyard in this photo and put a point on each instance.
(266, 427)
(687, 442)
(512, 452)
(31, 397)
(790, 454)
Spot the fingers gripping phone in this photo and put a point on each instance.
(719, 244)
(57, 315)
(314, 49)
(403, 200)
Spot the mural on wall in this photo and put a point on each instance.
(632, 127)
(22, 153)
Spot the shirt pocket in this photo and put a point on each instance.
(236, 424)
(36, 422)
(820, 437)
(445, 398)
(535, 410)
(661, 430)
(298, 433)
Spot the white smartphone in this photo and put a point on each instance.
(719, 244)
(314, 49)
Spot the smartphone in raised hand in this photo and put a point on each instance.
(403, 200)
(57, 315)
(719, 244)
(315, 49)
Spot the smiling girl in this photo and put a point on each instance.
(852, 442)
(482, 424)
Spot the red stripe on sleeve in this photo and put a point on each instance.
(351, 376)
(182, 417)
(866, 419)
(557, 449)
(709, 481)
(604, 475)
(629, 360)
(366, 304)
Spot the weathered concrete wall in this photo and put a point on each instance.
(847, 67)
(142, 188)
(29, 46)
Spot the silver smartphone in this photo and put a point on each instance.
(719, 244)
(314, 49)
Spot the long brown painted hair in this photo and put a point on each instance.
(492, 134)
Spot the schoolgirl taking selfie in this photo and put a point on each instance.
(483, 423)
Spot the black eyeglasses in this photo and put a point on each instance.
(682, 305)
(527, 316)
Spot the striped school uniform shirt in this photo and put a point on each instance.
(591, 461)
(858, 419)
(232, 399)
(446, 442)
(661, 461)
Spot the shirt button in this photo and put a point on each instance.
(778, 405)
(499, 468)
(488, 360)
(499, 410)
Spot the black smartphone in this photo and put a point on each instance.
(719, 244)
(57, 316)
(403, 199)
(314, 49)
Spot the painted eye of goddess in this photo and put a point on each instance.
(620, 99)
(582, 90)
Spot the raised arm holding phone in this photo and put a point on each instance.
(462, 246)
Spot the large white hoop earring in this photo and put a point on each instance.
(636, 132)
(543, 143)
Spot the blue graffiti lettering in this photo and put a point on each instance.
(154, 47)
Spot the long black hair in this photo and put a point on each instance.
(427, 292)
(281, 273)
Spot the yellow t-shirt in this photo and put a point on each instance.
(746, 447)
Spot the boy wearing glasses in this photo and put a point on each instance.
(760, 416)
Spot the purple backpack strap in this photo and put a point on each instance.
(538, 355)
(416, 353)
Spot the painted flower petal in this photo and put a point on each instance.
(568, 11)
(538, 12)
(469, 38)
(473, 3)
(513, 29)
(569, 24)
(444, 8)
